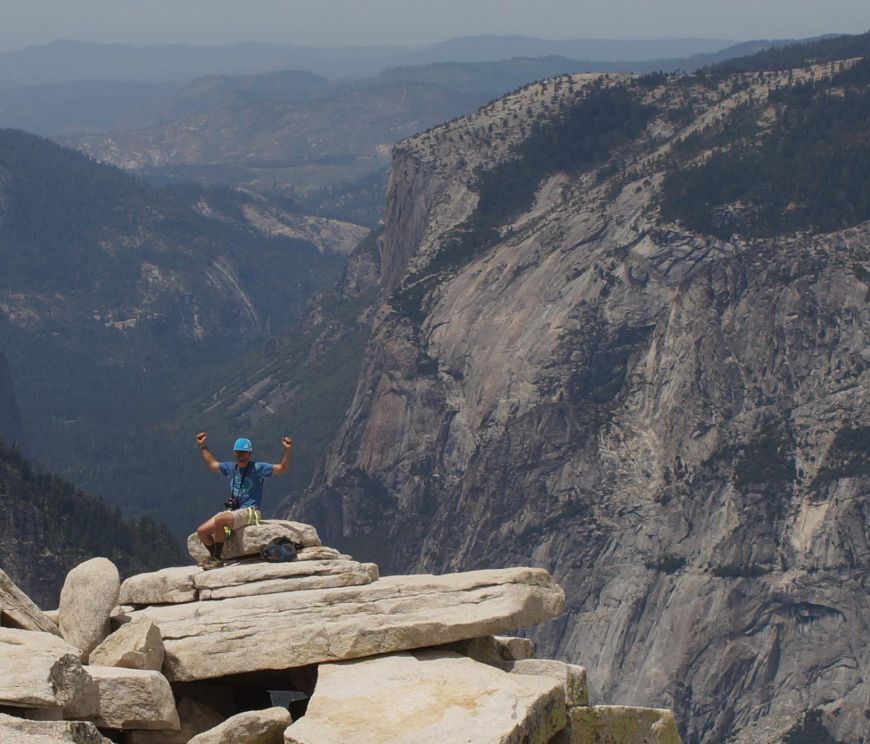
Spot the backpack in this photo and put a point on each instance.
(280, 550)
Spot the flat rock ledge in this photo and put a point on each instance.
(444, 697)
(209, 639)
(190, 583)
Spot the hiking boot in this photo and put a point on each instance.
(211, 562)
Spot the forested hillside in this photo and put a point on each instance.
(47, 526)
(120, 305)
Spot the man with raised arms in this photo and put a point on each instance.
(245, 478)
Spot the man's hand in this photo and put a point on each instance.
(207, 457)
(284, 466)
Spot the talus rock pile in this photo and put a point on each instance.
(206, 656)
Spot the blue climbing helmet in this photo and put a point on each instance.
(243, 445)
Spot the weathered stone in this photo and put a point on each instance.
(199, 710)
(136, 645)
(282, 631)
(620, 724)
(571, 676)
(495, 649)
(254, 727)
(88, 597)
(134, 699)
(248, 540)
(21, 731)
(40, 670)
(514, 648)
(427, 698)
(17, 610)
(166, 586)
(321, 553)
(270, 578)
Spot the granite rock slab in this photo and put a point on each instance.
(209, 639)
(429, 697)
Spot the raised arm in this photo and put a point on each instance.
(284, 466)
(207, 457)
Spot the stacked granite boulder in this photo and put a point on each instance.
(184, 655)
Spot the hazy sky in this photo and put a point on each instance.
(416, 22)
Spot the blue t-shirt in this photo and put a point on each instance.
(248, 486)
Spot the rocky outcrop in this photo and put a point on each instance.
(206, 670)
(672, 423)
(428, 698)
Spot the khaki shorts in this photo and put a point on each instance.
(244, 517)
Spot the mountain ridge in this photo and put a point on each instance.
(668, 420)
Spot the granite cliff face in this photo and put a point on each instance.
(675, 425)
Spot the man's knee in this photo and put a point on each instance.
(221, 521)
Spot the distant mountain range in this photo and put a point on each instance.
(64, 61)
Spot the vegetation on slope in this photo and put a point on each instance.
(809, 170)
(47, 526)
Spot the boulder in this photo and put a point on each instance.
(88, 597)
(136, 645)
(20, 731)
(620, 724)
(167, 586)
(17, 610)
(40, 670)
(248, 540)
(254, 727)
(270, 578)
(210, 639)
(429, 697)
(134, 699)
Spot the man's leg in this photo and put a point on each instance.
(205, 532)
(219, 536)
